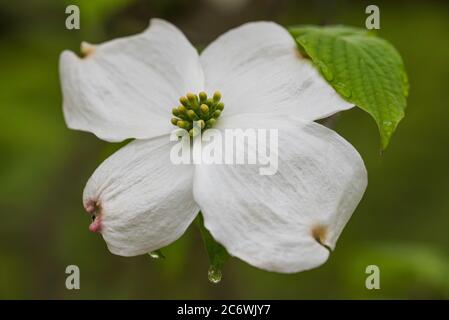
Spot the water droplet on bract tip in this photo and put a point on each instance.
(343, 90)
(155, 255)
(214, 275)
(327, 73)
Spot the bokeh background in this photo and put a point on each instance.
(401, 225)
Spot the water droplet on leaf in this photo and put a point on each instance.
(405, 84)
(327, 73)
(214, 274)
(343, 89)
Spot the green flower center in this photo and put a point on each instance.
(197, 111)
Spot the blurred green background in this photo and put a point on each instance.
(401, 225)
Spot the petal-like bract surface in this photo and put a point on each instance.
(143, 201)
(126, 88)
(287, 221)
(258, 69)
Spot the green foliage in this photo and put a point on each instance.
(45, 166)
(98, 10)
(404, 267)
(216, 252)
(362, 68)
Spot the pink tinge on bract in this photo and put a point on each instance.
(95, 226)
(90, 207)
(93, 208)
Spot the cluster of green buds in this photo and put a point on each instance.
(197, 109)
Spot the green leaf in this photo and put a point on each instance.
(362, 68)
(216, 252)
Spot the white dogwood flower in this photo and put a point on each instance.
(141, 201)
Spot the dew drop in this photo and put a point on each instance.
(327, 73)
(387, 123)
(343, 89)
(405, 84)
(156, 254)
(214, 274)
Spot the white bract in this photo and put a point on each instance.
(126, 88)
